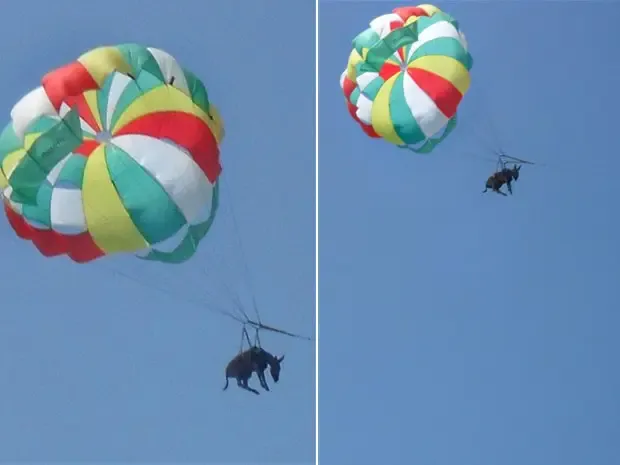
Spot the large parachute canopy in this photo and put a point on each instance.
(115, 152)
(406, 77)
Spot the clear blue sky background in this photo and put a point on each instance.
(462, 329)
(93, 366)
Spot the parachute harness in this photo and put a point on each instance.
(503, 160)
(257, 325)
(245, 337)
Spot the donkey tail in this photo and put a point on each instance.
(226, 385)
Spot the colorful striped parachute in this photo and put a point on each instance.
(407, 75)
(116, 152)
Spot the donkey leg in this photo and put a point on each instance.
(243, 384)
(263, 381)
(261, 377)
(509, 186)
(252, 390)
(247, 386)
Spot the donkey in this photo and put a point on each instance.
(256, 360)
(505, 176)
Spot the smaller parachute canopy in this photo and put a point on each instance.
(117, 152)
(407, 75)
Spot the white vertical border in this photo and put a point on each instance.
(316, 236)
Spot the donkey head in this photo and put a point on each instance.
(515, 172)
(274, 368)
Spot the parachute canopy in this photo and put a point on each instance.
(115, 152)
(406, 76)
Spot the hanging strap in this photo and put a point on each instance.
(259, 326)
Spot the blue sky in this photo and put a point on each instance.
(96, 367)
(467, 329)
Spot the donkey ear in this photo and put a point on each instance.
(280, 359)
